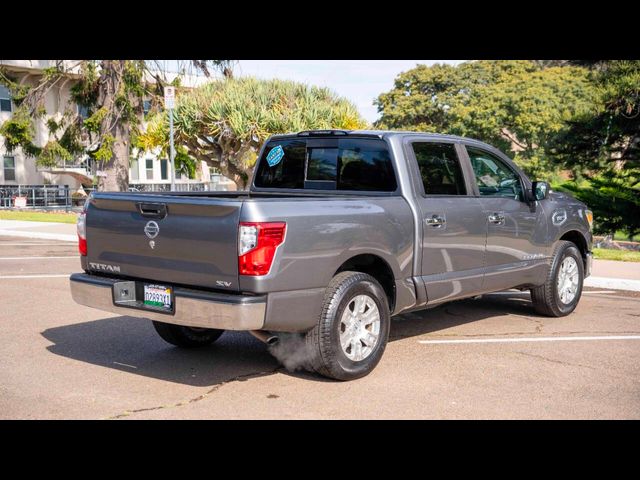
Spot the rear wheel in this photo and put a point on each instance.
(352, 331)
(186, 337)
(561, 292)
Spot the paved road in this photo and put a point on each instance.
(60, 360)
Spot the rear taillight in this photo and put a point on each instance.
(257, 244)
(82, 233)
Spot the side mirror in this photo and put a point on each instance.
(540, 190)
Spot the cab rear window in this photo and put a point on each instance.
(359, 164)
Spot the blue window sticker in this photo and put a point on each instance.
(275, 156)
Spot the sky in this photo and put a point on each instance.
(361, 81)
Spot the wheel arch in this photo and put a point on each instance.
(577, 237)
(378, 268)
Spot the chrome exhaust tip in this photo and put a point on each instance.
(265, 337)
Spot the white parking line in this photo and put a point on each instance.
(36, 258)
(38, 235)
(7, 277)
(30, 244)
(613, 283)
(126, 365)
(531, 339)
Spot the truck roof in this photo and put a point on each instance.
(371, 133)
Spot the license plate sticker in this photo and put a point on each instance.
(157, 296)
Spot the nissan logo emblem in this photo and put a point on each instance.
(151, 229)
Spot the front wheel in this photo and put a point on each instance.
(561, 292)
(186, 337)
(352, 332)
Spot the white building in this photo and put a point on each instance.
(147, 172)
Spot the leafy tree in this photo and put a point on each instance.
(515, 105)
(603, 145)
(225, 122)
(425, 98)
(525, 112)
(112, 92)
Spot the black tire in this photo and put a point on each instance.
(186, 337)
(546, 298)
(323, 341)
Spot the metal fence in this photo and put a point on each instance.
(48, 197)
(58, 197)
(180, 187)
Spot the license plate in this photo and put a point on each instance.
(157, 296)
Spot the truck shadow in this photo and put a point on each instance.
(132, 345)
(461, 312)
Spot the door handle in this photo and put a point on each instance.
(153, 210)
(496, 218)
(436, 221)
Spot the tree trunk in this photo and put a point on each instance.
(116, 169)
(239, 175)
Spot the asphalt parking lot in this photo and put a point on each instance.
(485, 358)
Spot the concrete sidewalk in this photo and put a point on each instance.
(607, 274)
(65, 232)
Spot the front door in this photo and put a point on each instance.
(516, 231)
(453, 227)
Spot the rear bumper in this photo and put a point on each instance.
(193, 308)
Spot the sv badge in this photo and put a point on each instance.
(152, 244)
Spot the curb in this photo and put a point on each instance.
(39, 235)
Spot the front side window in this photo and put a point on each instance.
(352, 164)
(5, 99)
(493, 177)
(9, 164)
(439, 168)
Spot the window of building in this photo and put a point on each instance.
(439, 168)
(135, 174)
(9, 165)
(164, 169)
(493, 177)
(5, 99)
(83, 111)
(149, 168)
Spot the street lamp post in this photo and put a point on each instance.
(169, 103)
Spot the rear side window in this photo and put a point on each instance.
(439, 168)
(327, 164)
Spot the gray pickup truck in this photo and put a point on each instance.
(339, 231)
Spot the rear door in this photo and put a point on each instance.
(454, 229)
(516, 231)
(172, 239)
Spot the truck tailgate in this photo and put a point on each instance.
(165, 238)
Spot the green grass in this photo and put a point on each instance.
(38, 216)
(620, 235)
(620, 255)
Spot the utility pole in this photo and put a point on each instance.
(169, 103)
